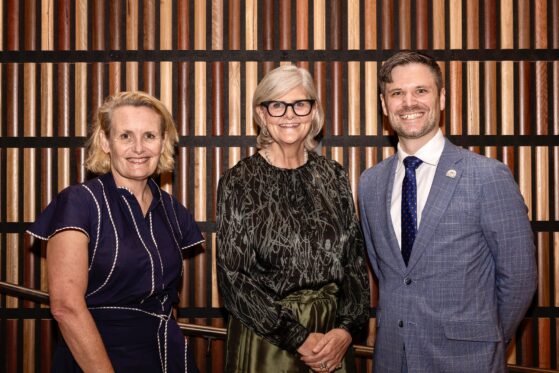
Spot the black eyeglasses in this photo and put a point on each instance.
(279, 108)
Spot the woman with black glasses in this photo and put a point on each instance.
(290, 258)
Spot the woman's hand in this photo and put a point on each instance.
(307, 347)
(328, 352)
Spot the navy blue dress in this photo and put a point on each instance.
(135, 265)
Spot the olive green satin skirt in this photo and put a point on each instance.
(249, 353)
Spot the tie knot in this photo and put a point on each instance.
(412, 162)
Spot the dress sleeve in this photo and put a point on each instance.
(189, 232)
(244, 298)
(354, 301)
(69, 210)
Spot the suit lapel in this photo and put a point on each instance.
(448, 173)
(386, 194)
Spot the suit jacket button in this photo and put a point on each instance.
(407, 281)
(401, 324)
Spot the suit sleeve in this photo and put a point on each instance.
(244, 298)
(508, 232)
(365, 226)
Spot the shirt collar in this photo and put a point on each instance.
(429, 153)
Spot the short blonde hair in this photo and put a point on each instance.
(99, 162)
(278, 83)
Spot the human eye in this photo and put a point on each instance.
(150, 136)
(277, 105)
(124, 137)
(395, 93)
(422, 90)
(302, 104)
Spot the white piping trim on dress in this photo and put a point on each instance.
(116, 241)
(145, 247)
(175, 214)
(194, 244)
(98, 226)
(57, 231)
(156, 247)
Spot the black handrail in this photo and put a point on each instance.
(195, 330)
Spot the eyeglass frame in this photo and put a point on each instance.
(287, 105)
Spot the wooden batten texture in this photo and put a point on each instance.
(204, 58)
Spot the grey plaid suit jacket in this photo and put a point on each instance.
(472, 271)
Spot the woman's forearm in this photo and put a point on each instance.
(84, 341)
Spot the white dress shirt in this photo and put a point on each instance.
(430, 154)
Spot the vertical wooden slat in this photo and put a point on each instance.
(354, 123)
(387, 25)
(438, 24)
(507, 27)
(285, 24)
(29, 179)
(234, 25)
(544, 324)
(455, 22)
(337, 96)
(369, 24)
(12, 156)
(251, 24)
(199, 183)
(166, 70)
(63, 93)
(525, 176)
(98, 43)
(251, 81)
(507, 98)
(132, 39)
(455, 90)
(80, 85)
(319, 27)
(267, 32)
(472, 25)
(371, 99)
(490, 38)
(45, 341)
(524, 23)
(404, 24)
(474, 98)
(421, 24)
(115, 43)
(541, 109)
(302, 29)
(149, 44)
(556, 264)
(218, 129)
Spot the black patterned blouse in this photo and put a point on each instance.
(283, 230)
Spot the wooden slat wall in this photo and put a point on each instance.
(505, 108)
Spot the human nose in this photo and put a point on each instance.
(289, 110)
(409, 99)
(137, 145)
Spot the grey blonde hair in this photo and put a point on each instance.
(278, 83)
(99, 162)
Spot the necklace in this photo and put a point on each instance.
(266, 154)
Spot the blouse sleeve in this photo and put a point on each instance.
(69, 210)
(243, 297)
(354, 302)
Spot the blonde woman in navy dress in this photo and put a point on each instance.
(115, 246)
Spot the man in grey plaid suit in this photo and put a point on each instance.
(454, 301)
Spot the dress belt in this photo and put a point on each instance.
(164, 319)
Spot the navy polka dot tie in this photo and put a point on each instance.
(409, 206)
